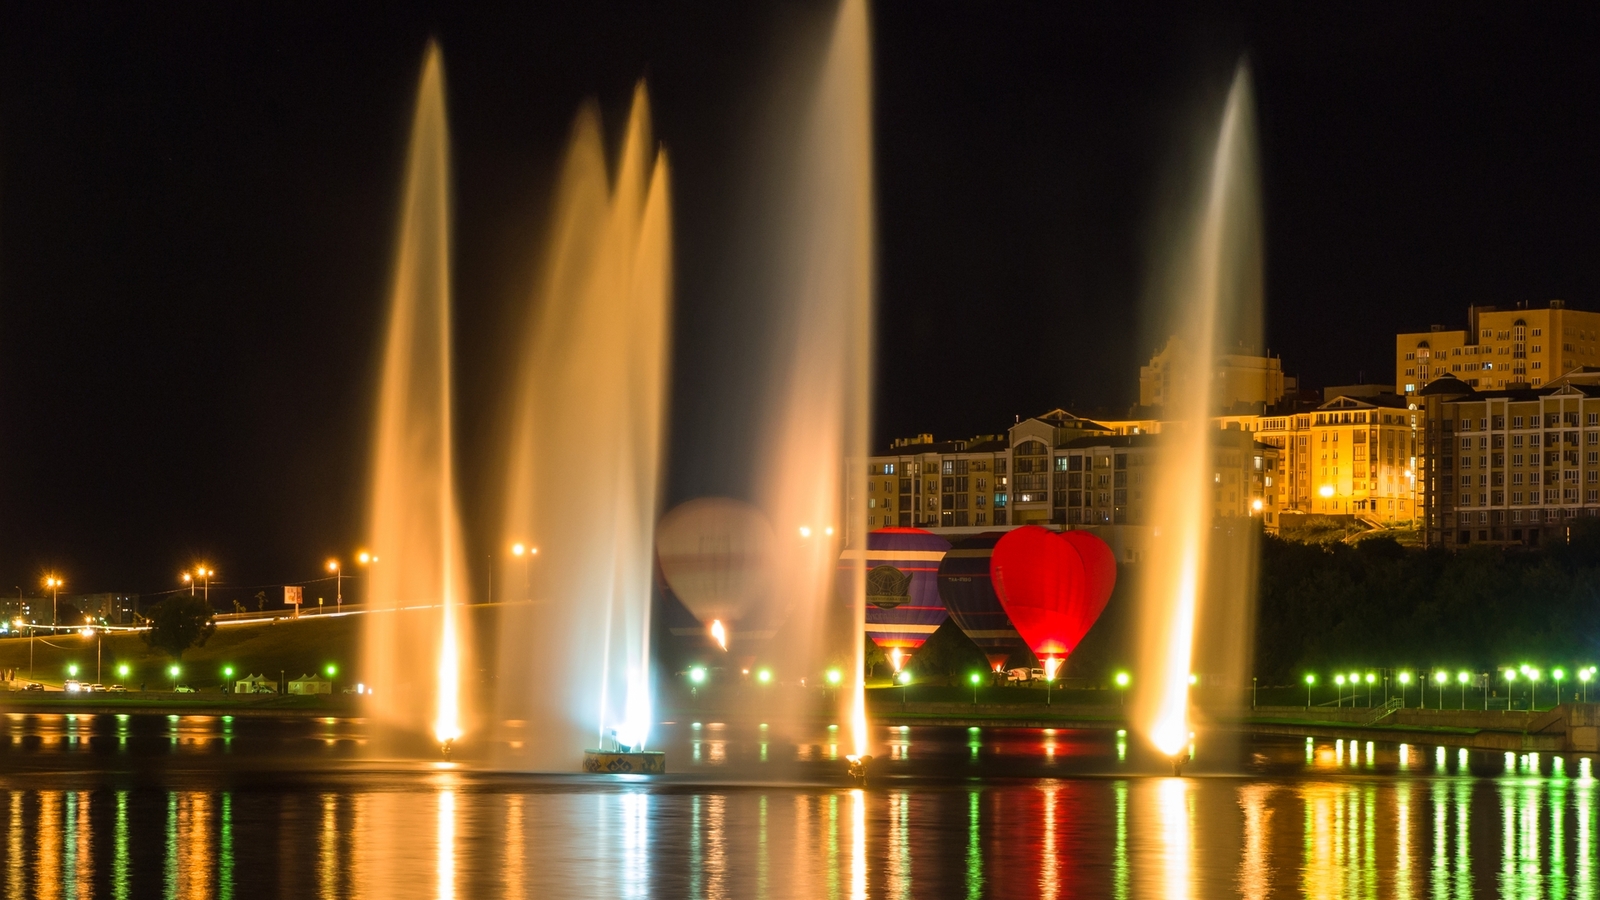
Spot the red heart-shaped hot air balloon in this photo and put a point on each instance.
(1099, 570)
(1053, 586)
(1040, 581)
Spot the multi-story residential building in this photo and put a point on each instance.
(922, 483)
(1241, 380)
(1362, 459)
(1109, 479)
(1509, 466)
(1038, 493)
(1500, 349)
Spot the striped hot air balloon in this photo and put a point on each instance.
(968, 593)
(903, 605)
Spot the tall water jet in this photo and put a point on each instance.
(1198, 589)
(414, 633)
(816, 446)
(586, 454)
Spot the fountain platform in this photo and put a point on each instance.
(619, 762)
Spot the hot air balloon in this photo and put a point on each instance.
(968, 593)
(716, 555)
(1045, 587)
(903, 605)
(1099, 567)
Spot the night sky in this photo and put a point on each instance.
(197, 205)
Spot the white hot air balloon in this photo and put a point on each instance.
(716, 554)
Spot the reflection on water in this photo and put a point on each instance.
(1317, 819)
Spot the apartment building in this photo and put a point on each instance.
(1110, 479)
(1509, 466)
(1500, 349)
(1362, 459)
(922, 483)
(1241, 380)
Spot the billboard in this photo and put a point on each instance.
(291, 595)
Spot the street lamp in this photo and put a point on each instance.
(974, 679)
(1310, 680)
(204, 573)
(54, 584)
(338, 584)
(1463, 677)
(1584, 675)
(1533, 688)
(764, 676)
(1405, 682)
(122, 671)
(904, 677)
(1556, 675)
(1511, 677)
(525, 554)
(1123, 679)
(1339, 691)
(1439, 678)
(697, 677)
(1370, 679)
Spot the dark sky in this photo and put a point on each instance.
(197, 203)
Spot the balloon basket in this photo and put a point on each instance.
(629, 762)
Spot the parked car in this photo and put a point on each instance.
(33, 686)
(116, 689)
(264, 689)
(72, 686)
(96, 688)
(183, 689)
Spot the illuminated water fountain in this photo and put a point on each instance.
(414, 633)
(1198, 590)
(816, 448)
(574, 655)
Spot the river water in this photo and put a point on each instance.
(207, 807)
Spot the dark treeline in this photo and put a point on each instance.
(1327, 607)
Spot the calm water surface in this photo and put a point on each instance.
(202, 807)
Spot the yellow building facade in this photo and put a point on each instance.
(1500, 349)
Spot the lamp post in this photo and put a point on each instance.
(172, 673)
(1533, 689)
(1370, 679)
(1405, 682)
(1439, 678)
(1338, 681)
(526, 555)
(1556, 675)
(1463, 677)
(1310, 680)
(974, 679)
(338, 584)
(1123, 678)
(1511, 677)
(904, 677)
(1583, 676)
(1252, 692)
(201, 573)
(54, 584)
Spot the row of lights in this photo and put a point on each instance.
(173, 671)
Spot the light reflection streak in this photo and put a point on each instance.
(1119, 870)
(1440, 882)
(858, 845)
(1049, 863)
(697, 856)
(1508, 846)
(83, 837)
(328, 849)
(1402, 838)
(47, 872)
(636, 835)
(516, 845)
(1463, 798)
(716, 847)
(974, 849)
(119, 859)
(1585, 850)
(833, 845)
(446, 849)
(761, 845)
(1172, 795)
(16, 875)
(899, 881)
(71, 857)
(225, 854)
(1255, 870)
(1558, 837)
(171, 869)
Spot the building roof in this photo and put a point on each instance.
(1379, 401)
(1446, 385)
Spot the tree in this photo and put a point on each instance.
(179, 622)
(261, 601)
